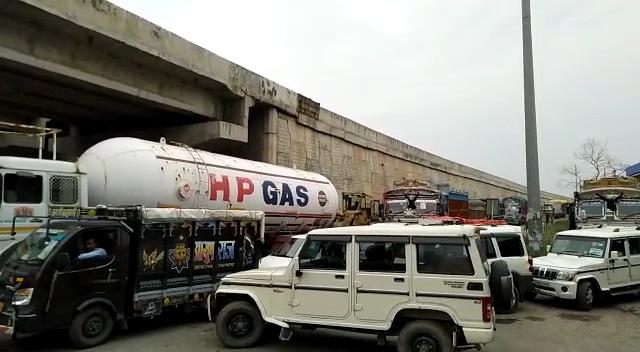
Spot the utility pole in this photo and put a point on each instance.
(534, 221)
(575, 172)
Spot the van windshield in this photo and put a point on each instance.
(37, 246)
(289, 248)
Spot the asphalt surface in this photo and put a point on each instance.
(543, 325)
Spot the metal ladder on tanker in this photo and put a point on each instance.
(203, 175)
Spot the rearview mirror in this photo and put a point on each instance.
(62, 260)
(614, 255)
(296, 266)
(548, 248)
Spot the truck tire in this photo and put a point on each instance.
(91, 327)
(585, 296)
(501, 284)
(424, 335)
(239, 325)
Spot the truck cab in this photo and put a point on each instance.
(33, 188)
(149, 260)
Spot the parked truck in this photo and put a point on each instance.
(410, 199)
(456, 201)
(610, 200)
(133, 171)
(153, 260)
(514, 210)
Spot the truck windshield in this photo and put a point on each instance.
(426, 206)
(592, 208)
(628, 207)
(396, 206)
(289, 248)
(580, 246)
(37, 246)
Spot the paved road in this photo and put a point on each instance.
(538, 326)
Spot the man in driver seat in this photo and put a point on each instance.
(91, 250)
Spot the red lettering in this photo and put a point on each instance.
(245, 188)
(216, 186)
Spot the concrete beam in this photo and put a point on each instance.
(89, 58)
(205, 135)
(114, 22)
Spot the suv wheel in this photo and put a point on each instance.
(239, 325)
(424, 336)
(585, 296)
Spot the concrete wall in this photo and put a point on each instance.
(358, 159)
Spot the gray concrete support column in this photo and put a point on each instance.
(270, 137)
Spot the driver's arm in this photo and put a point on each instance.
(94, 253)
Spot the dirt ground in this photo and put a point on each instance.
(543, 325)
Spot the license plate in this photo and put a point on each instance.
(542, 283)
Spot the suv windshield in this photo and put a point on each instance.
(37, 246)
(289, 248)
(580, 246)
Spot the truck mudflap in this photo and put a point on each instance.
(211, 303)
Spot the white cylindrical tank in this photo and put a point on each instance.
(130, 171)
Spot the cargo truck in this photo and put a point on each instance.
(611, 200)
(152, 260)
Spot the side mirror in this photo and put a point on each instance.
(62, 260)
(548, 248)
(614, 255)
(296, 267)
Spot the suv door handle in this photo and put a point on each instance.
(339, 277)
(398, 279)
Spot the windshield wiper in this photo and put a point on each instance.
(628, 216)
(570, 252)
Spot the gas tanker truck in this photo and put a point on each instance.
(130, 171)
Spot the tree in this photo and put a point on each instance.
(593, 161)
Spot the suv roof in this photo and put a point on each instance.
(408, 229)
(501, 229)
(603, 232)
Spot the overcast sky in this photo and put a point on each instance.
(445, 76)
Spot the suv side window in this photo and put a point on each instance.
(618, 245)
(382, 257)
(634, 246)
(487, 247)
(510, 246)
(324, 254)
(444, 259)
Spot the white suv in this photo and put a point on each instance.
(506, 242)
(587, 263)
(429, 285)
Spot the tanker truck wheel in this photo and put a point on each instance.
(502, 287)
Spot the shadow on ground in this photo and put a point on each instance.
(58, 340)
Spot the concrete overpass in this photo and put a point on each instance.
(95, 71)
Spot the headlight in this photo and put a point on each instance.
(22, 297)
(565, 276)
